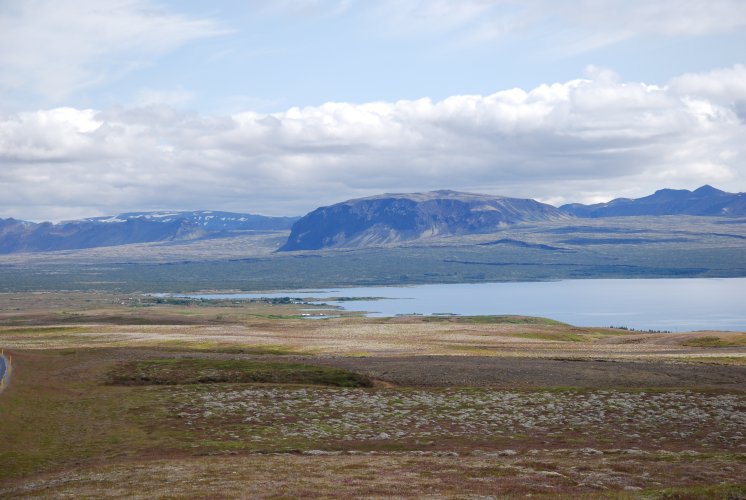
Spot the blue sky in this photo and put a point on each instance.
(280, 106)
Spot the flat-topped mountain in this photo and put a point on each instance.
(136, 227)
(392, 218)
(703, 201)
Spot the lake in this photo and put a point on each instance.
(658, 304)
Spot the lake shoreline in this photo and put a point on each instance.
(661, 304)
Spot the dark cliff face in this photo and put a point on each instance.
(705, 201)
(389, 219)
(144, 227)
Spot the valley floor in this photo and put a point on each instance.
(121, 396)
(622, 247)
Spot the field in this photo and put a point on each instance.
(125, 395)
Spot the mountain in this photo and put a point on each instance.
(208, 220)
(391, 218)
(376, 220)
(703, 201)
(136, 227)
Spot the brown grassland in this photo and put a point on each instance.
(122, 396)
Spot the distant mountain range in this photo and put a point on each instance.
(703, 201)
(377, 220)
(135, 227)
(392, 218)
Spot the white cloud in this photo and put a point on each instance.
(54, 48)
(585, 139)
(423, 16)
(662, 17)
(594, 24)
(576, 25)
(306, 8)
(721, 85)
(454, 23)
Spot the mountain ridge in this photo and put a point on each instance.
(381, 219)
(396, 217)
(705, 200)
(133, 227)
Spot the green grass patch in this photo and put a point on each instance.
(44, 330)
(710, 341)
(611, 332)
(707, 491)
(472, 350)
(714, 360)
(277, 316)
(206, 371)
(492, 319)
(556, 336)
(269, 350)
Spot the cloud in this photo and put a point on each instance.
(584, 139)
(598, 23)
(303, 8)
(576, 26)
(662, 17)
(59, 48)
(721, 85)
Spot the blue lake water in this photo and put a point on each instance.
(657, 304)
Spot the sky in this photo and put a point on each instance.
(280, 106)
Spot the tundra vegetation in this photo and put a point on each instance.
(126, 395)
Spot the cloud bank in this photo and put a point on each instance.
(588, 139)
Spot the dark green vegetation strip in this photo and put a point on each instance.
(725, 491)
(739, 341)
(492, 319)
(257, 350)
(43, 330)
(560, 337)
(205, 371)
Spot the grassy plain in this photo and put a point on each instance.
(119, 395)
